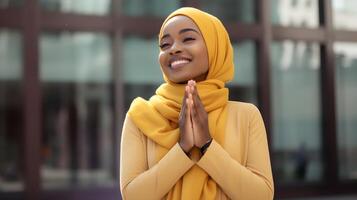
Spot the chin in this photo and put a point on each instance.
(179, 80)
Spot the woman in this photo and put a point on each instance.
(188, 141)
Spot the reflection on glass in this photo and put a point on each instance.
(11, 3)
(346, 93)
(231, 10)
(243, 86)
(345, 14)
(296, 111)
(296, 13)
(149, 7)
(141, 69)
(78, 141)
(101, 7)
(11, 105)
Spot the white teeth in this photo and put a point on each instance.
(179, 62)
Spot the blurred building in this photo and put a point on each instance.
(70, 68)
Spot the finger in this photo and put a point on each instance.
(193, 113)
(192, 106)
(184, 104)
(188, 110)
(185, 95)
(190, 86)
(195, 92)
(198, 108)
(197, 99)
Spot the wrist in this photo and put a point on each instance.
(204, 141)
(184, 147)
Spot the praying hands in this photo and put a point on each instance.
(193, 120)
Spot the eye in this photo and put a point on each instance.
(164, 45)
(188, 39)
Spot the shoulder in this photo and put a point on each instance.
(242, 107)
(129, 127)
(243, 111)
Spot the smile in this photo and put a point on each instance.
(179, 63)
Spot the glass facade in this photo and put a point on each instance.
(296, 113)
(345, 14)
(231, 10)
(93, 7)
(11, 115)
(243, 87)
(156, 8)
(141, 68)
(87, 84)
(346, 96)
(11, 3)
(77, 144)
(295, 13)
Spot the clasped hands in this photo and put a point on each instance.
(193, 120)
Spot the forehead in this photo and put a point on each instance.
(177, 23)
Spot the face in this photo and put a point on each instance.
(183, 52)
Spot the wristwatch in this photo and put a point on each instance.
(205, 146)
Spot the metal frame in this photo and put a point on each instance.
(31, 21)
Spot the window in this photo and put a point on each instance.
(94, 7)
(244, 84)
(295, 13)
(141, 68)
(149, 7)
(345, 14)
(231, 10)
(78, 138)
(11, 104)
(296, 113)
(346, 93)
(11, 3)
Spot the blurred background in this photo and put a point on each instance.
(70, 68)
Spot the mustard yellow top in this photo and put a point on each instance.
(241, 168)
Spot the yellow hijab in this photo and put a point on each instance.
(158, 117)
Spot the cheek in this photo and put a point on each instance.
(202, 56)
(161, 58)
(163, 62)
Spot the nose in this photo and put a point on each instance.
(175, 48)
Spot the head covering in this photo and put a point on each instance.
(158, 117)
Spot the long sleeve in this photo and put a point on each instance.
(253, 181)
(137, 181)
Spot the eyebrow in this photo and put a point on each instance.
(180, 32)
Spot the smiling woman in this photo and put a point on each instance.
(188, 141)
(183, 54)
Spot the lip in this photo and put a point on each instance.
(178, 62)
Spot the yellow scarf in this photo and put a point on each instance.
(158, 117)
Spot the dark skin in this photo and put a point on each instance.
(189, 49)
(193, 121)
